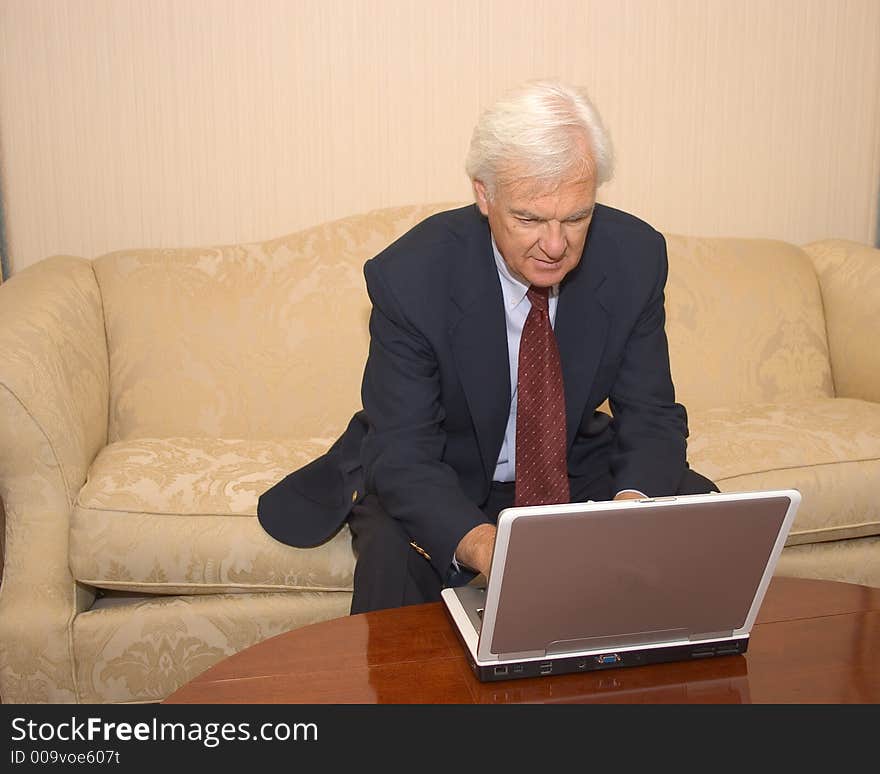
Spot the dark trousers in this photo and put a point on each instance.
(390, 573)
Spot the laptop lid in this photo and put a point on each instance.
(586, 577)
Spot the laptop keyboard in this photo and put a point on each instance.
(473, 601)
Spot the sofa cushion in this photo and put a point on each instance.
(849, 274)
(745, 323)
(828, 449)
(178, 516)
(255, 360)
(848, 561)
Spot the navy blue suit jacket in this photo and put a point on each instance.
(436, 387)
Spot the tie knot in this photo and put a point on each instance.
(539, 298)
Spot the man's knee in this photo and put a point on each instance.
(389, 572)
(373, 529)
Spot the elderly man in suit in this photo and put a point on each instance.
(497, 331)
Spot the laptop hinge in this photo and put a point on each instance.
(561, 647)
(711, 635)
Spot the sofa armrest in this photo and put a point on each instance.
(54, 397)
(849, 278)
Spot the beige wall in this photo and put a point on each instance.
(128, 123)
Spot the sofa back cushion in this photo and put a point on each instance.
(849, 275)
(745, 323)
(268, 340)
(256, 341)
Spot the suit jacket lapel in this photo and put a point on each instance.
(478, 333)
(581, 328)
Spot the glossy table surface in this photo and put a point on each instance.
(814, 642)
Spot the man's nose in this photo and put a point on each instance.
(553, 240)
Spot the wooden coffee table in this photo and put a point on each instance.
(814, 642)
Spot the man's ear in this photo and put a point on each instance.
(481, 194)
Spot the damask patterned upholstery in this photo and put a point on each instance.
(176, 516)
(148, 397)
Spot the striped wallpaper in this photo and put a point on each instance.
(129, 123)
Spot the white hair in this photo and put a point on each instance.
(537, 131)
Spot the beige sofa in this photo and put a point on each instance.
(147, 398)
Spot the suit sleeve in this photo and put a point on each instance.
(404, 448)
(651, 440)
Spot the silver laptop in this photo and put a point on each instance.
(588, 586)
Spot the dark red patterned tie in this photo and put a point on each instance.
(541, 474)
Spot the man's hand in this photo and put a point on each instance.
(629, 495)
(476, 547)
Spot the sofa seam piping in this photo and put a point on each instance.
(123, 586)
(819, 285)
(56, 457)
(106, 347)
(104, 509)
(798, 467)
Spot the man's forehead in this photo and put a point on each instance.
(540, 196)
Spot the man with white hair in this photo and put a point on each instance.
(497, 332)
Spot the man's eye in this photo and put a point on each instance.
(526, 220)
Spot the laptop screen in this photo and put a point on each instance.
(646, 572)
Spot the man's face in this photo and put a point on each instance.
(540, 229)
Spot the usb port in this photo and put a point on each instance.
(546, 669)
(501, 670)
(517, 668)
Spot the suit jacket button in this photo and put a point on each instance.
(354, 496)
